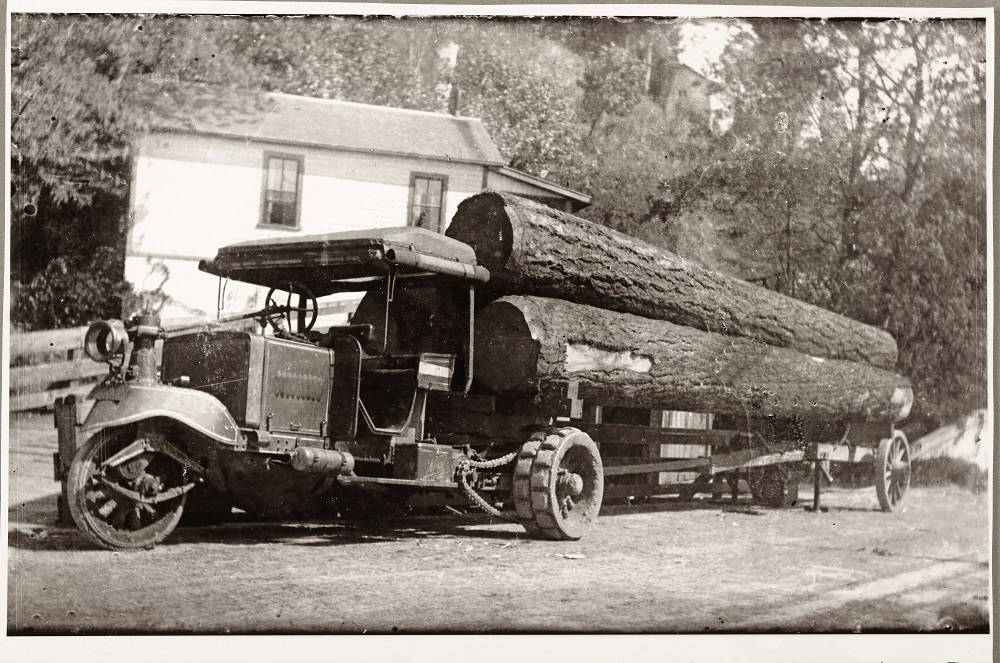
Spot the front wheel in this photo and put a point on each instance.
(126, 493)
(558, 484)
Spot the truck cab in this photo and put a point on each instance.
(292, 421)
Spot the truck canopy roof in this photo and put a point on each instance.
(346, 261)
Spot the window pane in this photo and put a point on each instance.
(281, 192)
(273, 173)
(289, 174)
(434, 192)
(281, 213)
(426, 216)
(419, 217)
(425, 210)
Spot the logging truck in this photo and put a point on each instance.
(438, 385)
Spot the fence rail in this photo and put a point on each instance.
(55, 365)
(65, 371)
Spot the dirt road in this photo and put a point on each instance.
(661, 567)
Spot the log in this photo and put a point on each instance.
(535, 250)
(421, 318)
(534, 345)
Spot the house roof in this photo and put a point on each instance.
(328, 123)
(578, 197)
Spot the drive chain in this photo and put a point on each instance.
(470, 492)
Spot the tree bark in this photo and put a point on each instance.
(535, 250)
(531, 345)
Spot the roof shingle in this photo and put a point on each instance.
(331, 123)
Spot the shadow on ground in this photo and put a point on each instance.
(33, 525)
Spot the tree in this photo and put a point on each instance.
(82, 88)
(518, 83)
(613, 82)
(854, 166)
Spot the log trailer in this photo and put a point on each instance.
(297, 421)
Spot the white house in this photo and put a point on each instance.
(208, 176)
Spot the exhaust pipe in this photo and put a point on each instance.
(321, 461)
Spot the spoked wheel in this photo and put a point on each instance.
(558, 484)
(126, 494)
(892, 470)
(773, 485)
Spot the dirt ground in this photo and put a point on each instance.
(663, 567)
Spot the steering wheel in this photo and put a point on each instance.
(306, 310)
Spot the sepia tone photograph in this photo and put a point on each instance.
(609, 324)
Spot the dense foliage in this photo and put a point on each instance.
(845, 163)
(855, 180)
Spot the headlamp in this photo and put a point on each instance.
(105, 339)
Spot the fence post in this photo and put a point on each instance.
(66, 427)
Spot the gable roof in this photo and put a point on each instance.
(328, 123)
(579, 199)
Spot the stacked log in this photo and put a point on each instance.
(531, 249)
(422, 318)
(529, 345)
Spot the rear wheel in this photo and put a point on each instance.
(558, 484)
(125, 494)
(892, 471)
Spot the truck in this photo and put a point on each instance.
(283, 420)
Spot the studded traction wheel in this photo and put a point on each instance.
(558, 484)
(892, 470)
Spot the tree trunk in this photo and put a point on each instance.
(535, 250)
(533, 344)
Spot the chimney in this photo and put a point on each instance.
(448, 55)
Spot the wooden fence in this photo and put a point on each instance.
(46, 365)
(64, 368)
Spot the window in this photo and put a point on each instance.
(282, 189)
(427, 194)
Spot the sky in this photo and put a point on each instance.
(702, 42)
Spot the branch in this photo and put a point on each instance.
(702, 176)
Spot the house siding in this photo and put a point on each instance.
(500, 182)
(193, 194)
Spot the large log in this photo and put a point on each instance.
(421, 318)
(532, 345)
(533, 249)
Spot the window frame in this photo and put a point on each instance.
(444, 196)
(262, 221)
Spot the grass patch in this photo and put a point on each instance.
(950, 471)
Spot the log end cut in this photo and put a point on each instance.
(506, 357)
(482, 222)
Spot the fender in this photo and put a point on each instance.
(117, 405)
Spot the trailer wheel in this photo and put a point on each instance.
(108, 517)
(773, 485)
(558, 484)
(892, 470)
